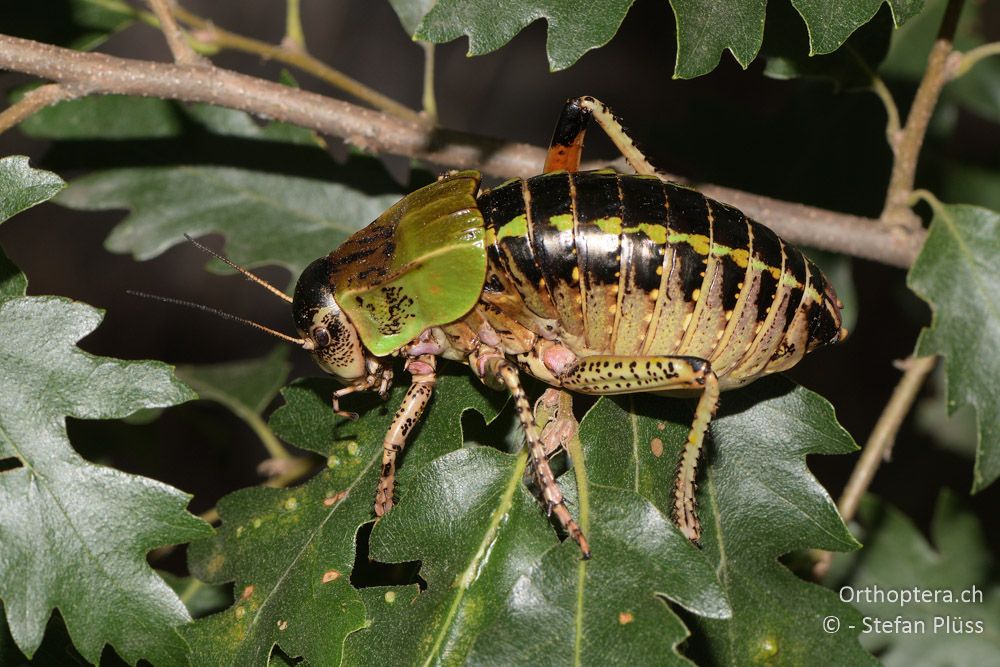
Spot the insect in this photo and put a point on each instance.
(592, 281)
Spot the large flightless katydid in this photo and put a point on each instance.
(593, 281)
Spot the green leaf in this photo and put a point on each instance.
(957, 274)
(898, 558)
(244, 387)
(12, 281)
(705, 28)
(470, 519)
(849, 67)
(501, 589)
(758, 502)
(831, 23)
(75, 533)
(199, 598)
(611, 609)
(87, 118)
(22, 187)
(411, 12)
(267, 217)
(574, 27)
(978, 90)
(291, 551)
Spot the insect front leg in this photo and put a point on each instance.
(566, 147)
(621, 375)
(407, 416)
(506, 373)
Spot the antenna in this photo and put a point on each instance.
(249, 276)
(302, 342)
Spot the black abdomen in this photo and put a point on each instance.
(631, 265)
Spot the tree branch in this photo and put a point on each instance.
(33, 102)
(95, 73)
(209, 33)
(883, 435)
(878, 446)
(941, 66)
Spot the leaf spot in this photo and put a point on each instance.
(330, 575)
(625, 617)
(247, 592)
(240, 612)
(282, 625)
(291, 503)
(660, 425)
(390, 597)
(352, 448)
(656, 446)
(768, 649)
(257, 523)
(334, 499)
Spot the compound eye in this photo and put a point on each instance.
(321, 337)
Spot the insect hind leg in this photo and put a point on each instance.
(608, 374)
(566, 147)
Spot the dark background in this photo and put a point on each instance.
(798, 140)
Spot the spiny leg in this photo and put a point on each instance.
(554, 416)
(507, 373)
(607, 374)
(406, 417)
(566, 147)
(685, 485)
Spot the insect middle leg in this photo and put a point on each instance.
(607, 374)
(498, 367)
(566, 147)
(407, 416)
(554, 416)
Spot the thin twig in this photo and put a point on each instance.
(884, 434)
(379, 133)
(878, 446)
(893, 131)
(892, 126)
(973, 56)
(34, 101)
(179, 47)
(941, 66)
(429, 101)
(295, 37)
(210, 33)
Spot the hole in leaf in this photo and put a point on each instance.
(367, 573)
(10, 464)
